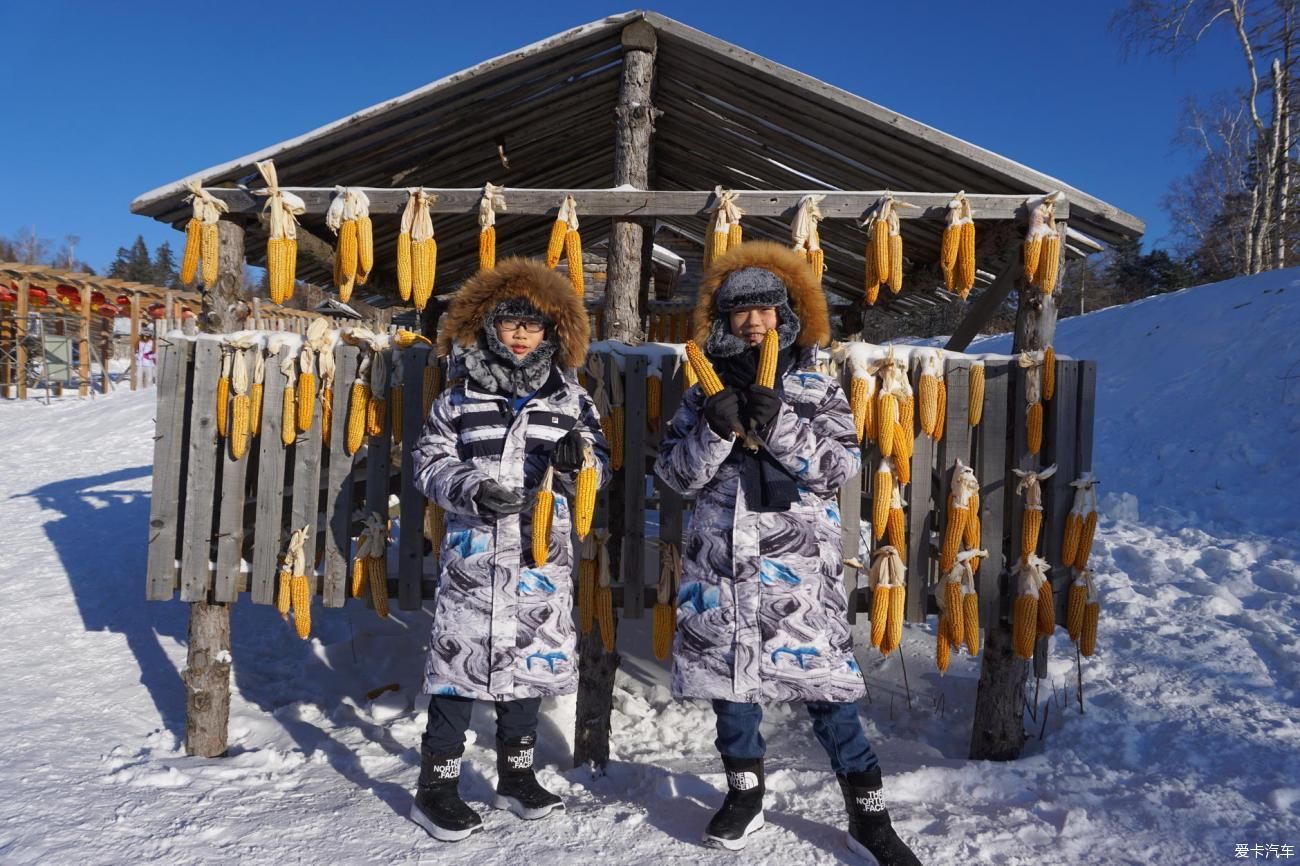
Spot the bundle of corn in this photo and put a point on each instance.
(888, 598)
(377, 407)
(584, 493)
(493, 200)
(1031, 521)
(604, 598)
(587, 584)
(223, 391)
(895, 527)
(282, 209)
(665, 611)
(931, 377)
(202, 237)
(882, 498)
(316, 343)
(281, 346)
(880, 248)
(255, 395)
(964, 488)
(241, 412)
(862, 399)
(805, 236)
(1080, 523)
(724, 230)
(435, 528)
(654, 396)
(976, 393)
(295, 586)
(358, 407)
(543, 511)
(957, 253)
(1030, 574)
(952, 629)
(372, 553)
(1083, 612)
(566, 239)
(417, 250)
(1042, 246)
(348, 207)
(891, 398)
(1032, 363)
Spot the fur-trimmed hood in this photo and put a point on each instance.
(548, 291)
(805, 295)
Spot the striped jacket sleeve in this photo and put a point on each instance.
(589, 426)
(690, 453)
(439, 472)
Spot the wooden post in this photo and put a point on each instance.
(207, 665)
(84, 342)
(631, 166)
(20, 336)
(132, 370)
(999, 733)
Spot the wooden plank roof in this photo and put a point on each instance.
(543, 117)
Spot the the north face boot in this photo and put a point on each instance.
(742, 810)
(871, 835)
(517, 787)
(438, 807)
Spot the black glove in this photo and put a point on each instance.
(491, 498)
(568, 453)
(762, 405)
(722, 411)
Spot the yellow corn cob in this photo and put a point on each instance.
(1034, 427)
(357, 410)
(543, 509)
(358, 575)
(1085, 540)
(907, 415)
(966, 260)
(817, 261)
(942, 651)
(954, 528)
(1024, 625)
(1088, 639)
(653, 400)
(377, 571)
(929, 393)
(616, 444)
(894, 629)
(895, 529)
(365, 249)
(487, 248)
(882, 495)
(1031, 251)
(735, 235)
(952, 597)
(688, 376)
(872, 290)
(970, 619)
(1078, 598)
(211, 245)
(278, 269)
(708, 379)
(240, 426)
(1049, 373)
(405, 266)
(1046, 609)
(879, 614)
(284, 593)
(665, 622)
(585, 505)
(255, 410)
(555, 246)
(193, 242)
(326, 415)
(424, 263)
(1048, 264)
(717, 245)
(767, 361)
(904, 444)
(1070, 538)
(302, 605)
(605, 616)
(896, 263)
(860, 405)
(306, 400)
(902, 461)
(976, 394)
(586, 594)
(886, 422)
(949, 247)
(942, 419)
(878, 264)
(376, 415)
(223, 406)
(971, 536)
(347, 252)
(291, 268)
(288, 417)
(1030, 524)
(573, 255)
(395, 412)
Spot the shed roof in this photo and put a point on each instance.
(543, 117)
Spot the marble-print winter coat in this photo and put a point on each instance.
(761, 612)
(503, 627)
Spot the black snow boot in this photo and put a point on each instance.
(870, 833)
(517, 787)
(438, 807)
(742, 810)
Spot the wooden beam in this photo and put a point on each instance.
(83, 342)
(645, 203)
(20, 336)
(132, 369)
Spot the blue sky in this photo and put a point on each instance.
(108, 101)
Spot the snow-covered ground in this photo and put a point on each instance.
(1189, 744)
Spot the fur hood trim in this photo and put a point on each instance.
(806, 296)
(547, 290)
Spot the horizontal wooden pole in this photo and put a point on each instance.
(655, 203)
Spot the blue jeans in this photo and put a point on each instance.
(837, 727)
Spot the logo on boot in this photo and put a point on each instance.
(449, 770)
(522, 760)
(742, 781)
(872, 802)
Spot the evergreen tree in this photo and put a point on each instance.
(164, 267)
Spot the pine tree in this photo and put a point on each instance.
(164, 267)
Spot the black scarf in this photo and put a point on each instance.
(769, 486)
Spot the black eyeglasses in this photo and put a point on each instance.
(531, 326)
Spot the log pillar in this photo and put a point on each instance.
(20, 335)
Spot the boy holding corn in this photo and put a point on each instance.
(513, 418)
(761, 611)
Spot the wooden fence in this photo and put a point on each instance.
(218, 526)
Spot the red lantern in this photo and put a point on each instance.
(97, 299)
(8, 295)
(70, 294)
(157, 311)
(108, 311)
(38, 297)
(123, 300)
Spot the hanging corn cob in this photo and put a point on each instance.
(372, 550)
(895, 252)
(879, 267)
(931, 375)
(895, 528)
(1030, 487)
(976, 395)
(1084, 612)
(295, 587)
(255, 395)
(1049, 373)
(943, 410)
(223, 391)
(894, 388)
(587, 584)
(417, 249)
(1042, 245)
(965, 271)
(1089, 528)
(882, 498)
(316, 342)
(573, 251)
(604, 602)
(282, 209)
(887, 578)
(543, 511)
(280, 346)
(950, 246)
(555, 244)
(724, 229)
(492, 202)
(654, 395)
(964, 488)
(1075, 602)
(948, 595)
(1032, 364)
(241, 412)
(968, 561)
(862, 399)
(584, 505)
(1029, 574)
(343, 218)
(358, 407)
(973, 534)
(202, 237)
(1074, 521)
(805, 236)
(665, 611)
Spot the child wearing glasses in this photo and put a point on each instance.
(503, 626)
